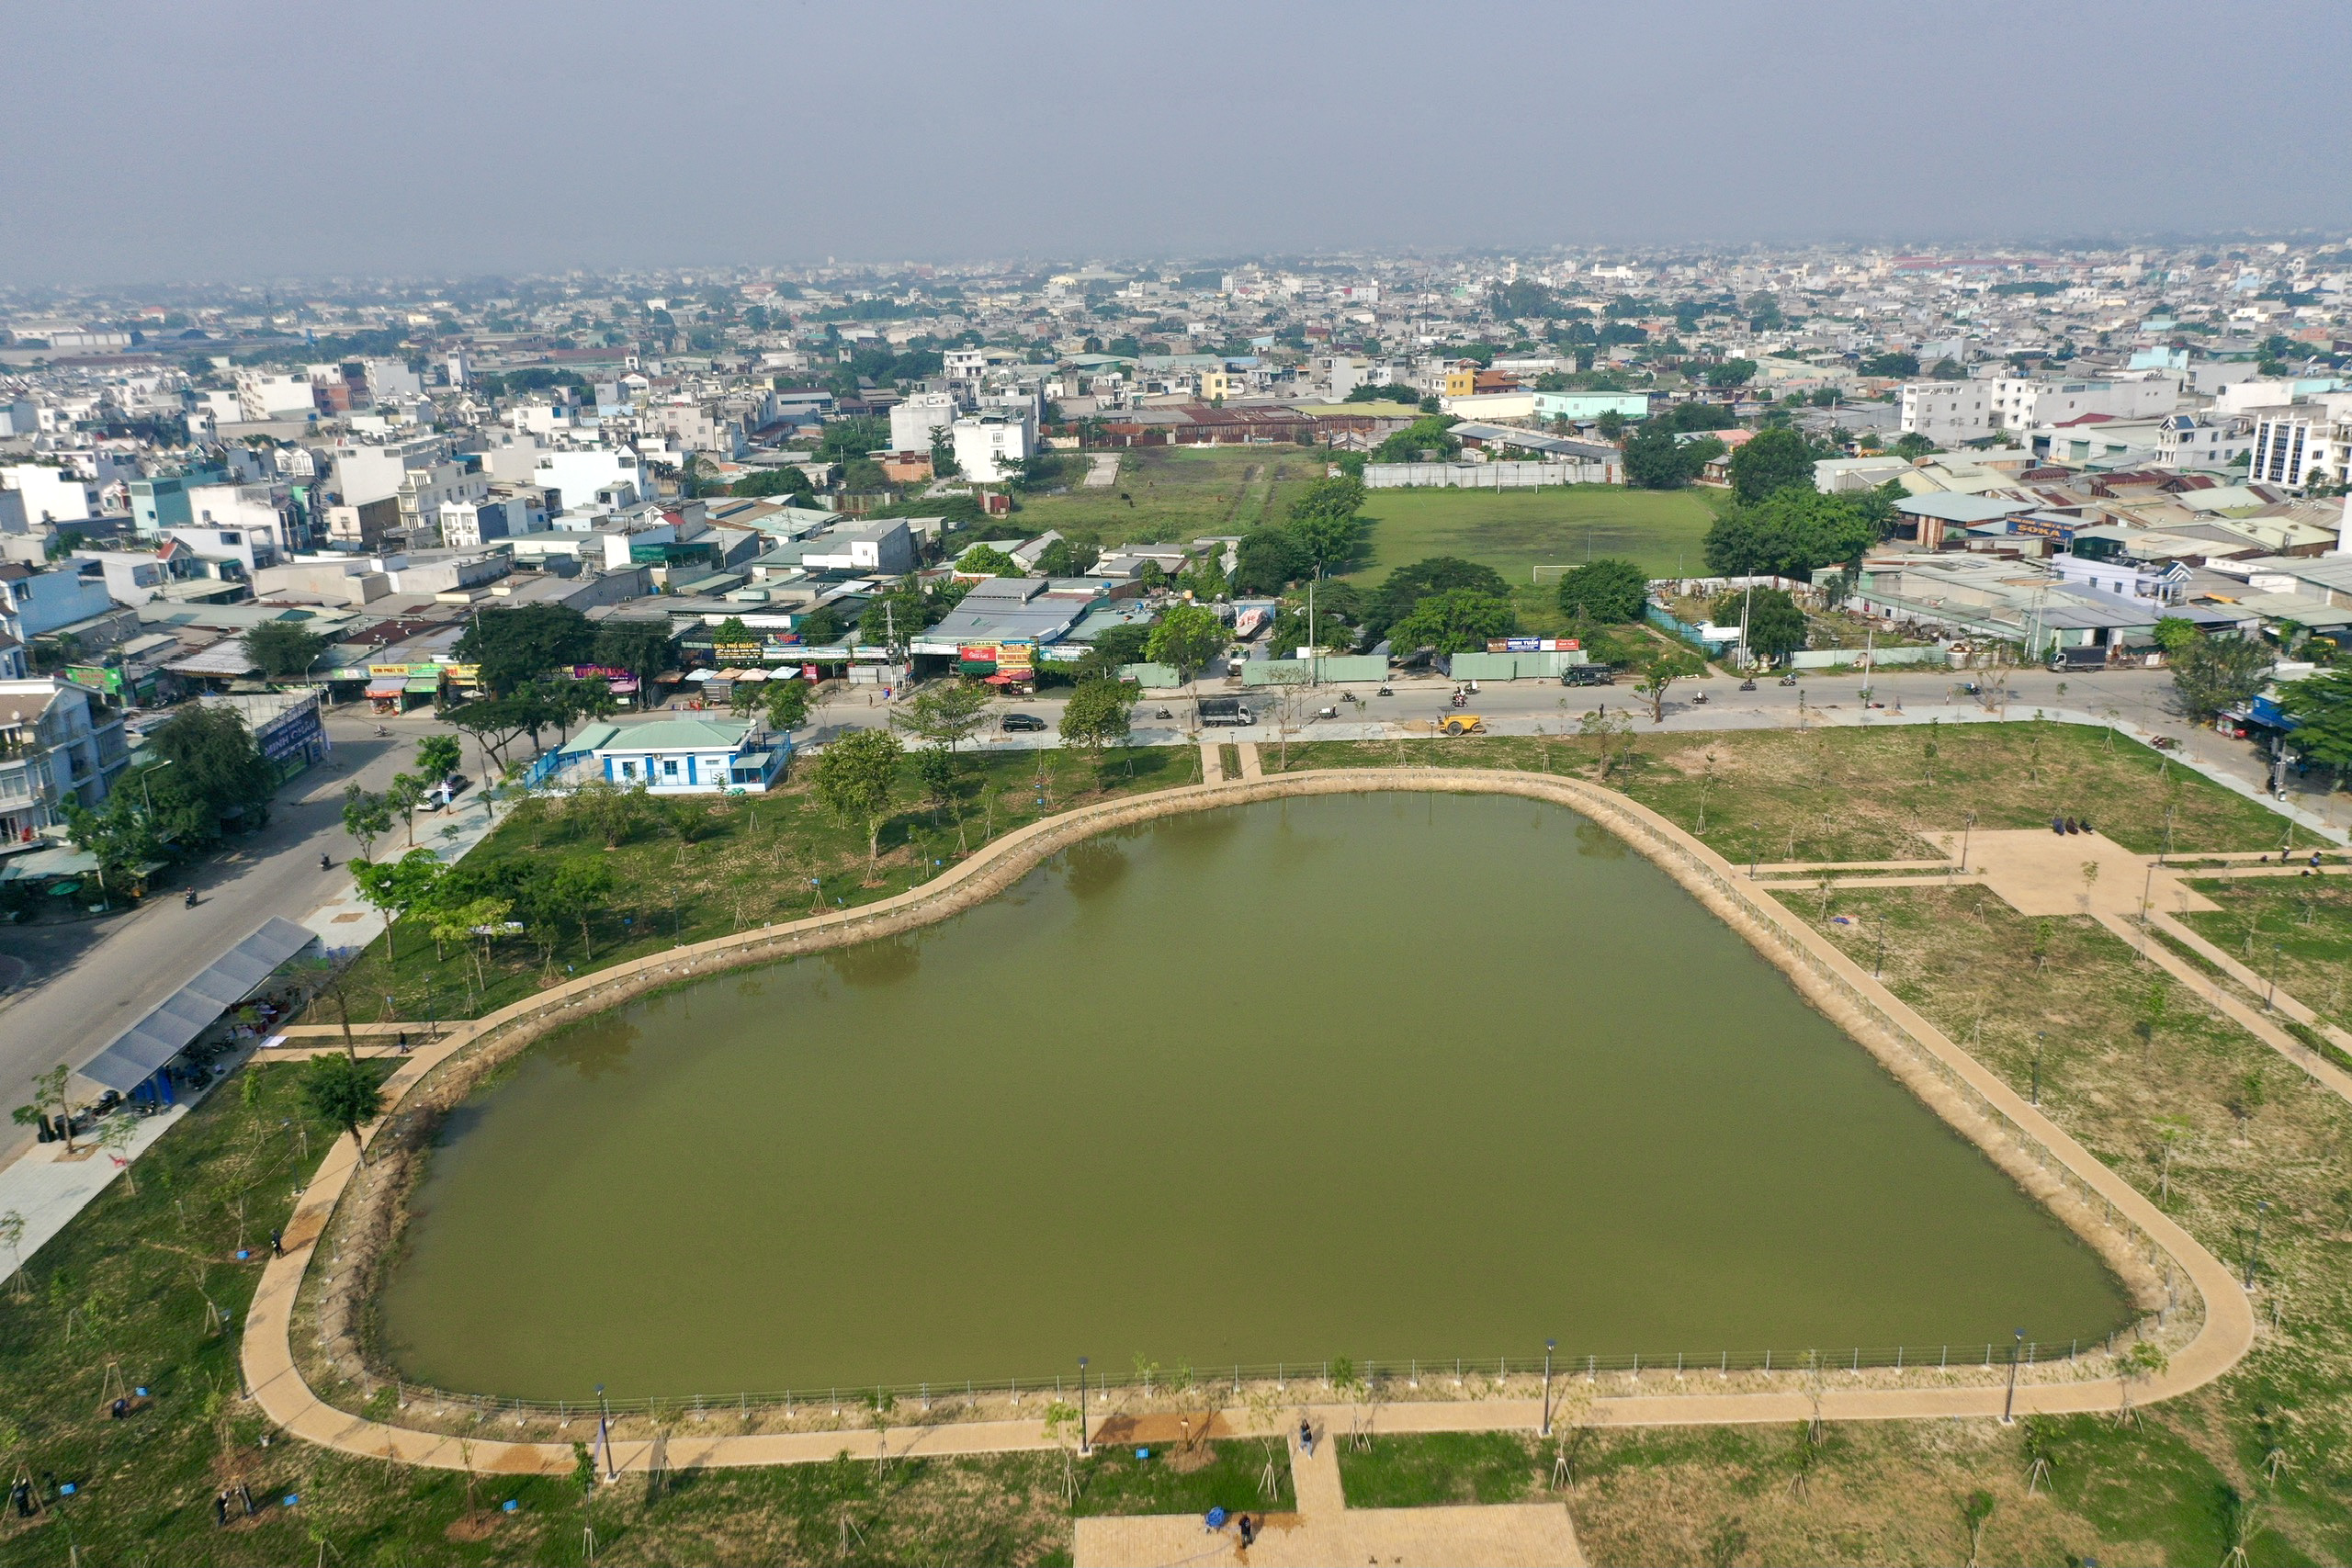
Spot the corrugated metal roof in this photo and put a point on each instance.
(188, 1011)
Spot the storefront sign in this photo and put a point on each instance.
(1533, 645)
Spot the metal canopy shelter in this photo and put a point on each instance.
(190, 1010)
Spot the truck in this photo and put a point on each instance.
(2063, 660)
(1222, 710)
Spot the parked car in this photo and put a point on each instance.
(1587, 676)
(1021, 724)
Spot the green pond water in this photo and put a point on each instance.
(1389, 1076)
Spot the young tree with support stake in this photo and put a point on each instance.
(343, 1090)
(1096, 717)
(856, 780)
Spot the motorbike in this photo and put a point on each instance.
(1788, 680)
(1386, 693)
(1163, 713)
(1698, 699)
(1747, 685)
(1326, 713)
(1459, 699)
(1972, 688)
(324, 864)
(191, 899)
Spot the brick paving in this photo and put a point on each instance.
(1325, 1530)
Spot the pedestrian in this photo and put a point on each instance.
(277, 1244)
(220, 1508)
(1305, 1437)
(1249, 1532)
(121, 1408)
(21, 1495)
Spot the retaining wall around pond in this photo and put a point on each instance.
(2167, 1270)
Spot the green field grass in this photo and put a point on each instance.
(1176, 495)
(1660, 530)
(1663, 532)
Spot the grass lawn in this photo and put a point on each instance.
(1443, 1466)
(1662, 532)
(1175, 1482)
(1178, 494)
(2300, 926)
(1853, 793)
(700, 867)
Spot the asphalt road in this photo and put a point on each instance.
(89, 981)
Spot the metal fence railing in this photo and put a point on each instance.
(1385, 1379)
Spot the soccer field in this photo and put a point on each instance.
(1660, 530)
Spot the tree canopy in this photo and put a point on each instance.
(1609, 590)
(1408, 585)
(216, 769)
(1269, 559)
(1790, 534)
(1429, 433)
(2322, 703)
(1460, 620)
(987, 561)
(1187, 636)
(857, 779)
(1656, 460)
(1772, 460)
(1775, 626)
(524, 642)
(2218, 672)
(284, 649)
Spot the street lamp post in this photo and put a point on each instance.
(2010, 1404)
(604, 1434)
(2038, 1039)
(1549, 1346)
(2253, 1253)
(1084, 1445)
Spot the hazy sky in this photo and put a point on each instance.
(244, 139)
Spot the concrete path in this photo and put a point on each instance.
(1250, 767)
(2224, 1335)
(1212, 763)
(2259, 985)
(1325, 1530)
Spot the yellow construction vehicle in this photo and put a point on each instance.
(1461, 723)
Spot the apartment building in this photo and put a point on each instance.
(990, 446)
(1947, 412)
(59, 742)
(2296, 446)
(2021, 404)
(916, 422)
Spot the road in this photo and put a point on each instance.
(89, 981)
(2141, 697)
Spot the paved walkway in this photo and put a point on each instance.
(1212, 763)
(2225, 1335)
(1250, 767)
(1325, 1530)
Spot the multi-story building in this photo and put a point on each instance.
(59, 742)
(990, 446)
(2186, 441)
(263, 395)
(2021, 404)
(52, 493)
(916, 423)
(2297, 446)
(1947, 412)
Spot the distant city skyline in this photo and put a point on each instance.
(245, 141)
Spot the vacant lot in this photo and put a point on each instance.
(1662, 532)
(1176, 495)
